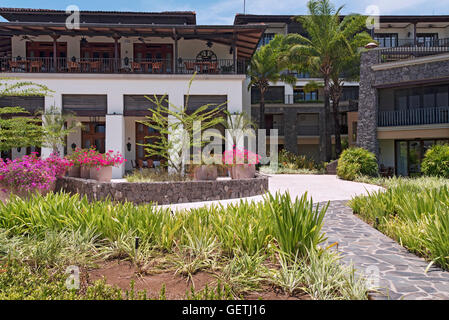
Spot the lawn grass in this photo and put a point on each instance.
(247, 247)
(414, 212)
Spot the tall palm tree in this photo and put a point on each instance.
(265, 68)
(347, 67)
(319, 52)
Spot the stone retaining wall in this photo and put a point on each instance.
(165, 192)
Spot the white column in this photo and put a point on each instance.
(115, 140)
(115, 130)
(55, 99)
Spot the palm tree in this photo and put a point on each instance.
(327, 37)
(265, 68)
(347, 68)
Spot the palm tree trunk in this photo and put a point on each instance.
(337, 128)
(262, 109)
(327, 143)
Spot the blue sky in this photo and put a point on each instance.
(223, 11)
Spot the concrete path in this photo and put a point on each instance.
(319, 187)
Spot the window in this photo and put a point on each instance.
(266, 38)
(387, 40)
(427, 39)
(274, 94)
(422, 97)
(350, 93)
(301, 96)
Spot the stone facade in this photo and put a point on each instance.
(394, 74)
(164, 193)
(367, 119)
(290, 114)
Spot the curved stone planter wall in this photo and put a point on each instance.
(165, 192)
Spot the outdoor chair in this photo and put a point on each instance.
(73, 66)
(36, 66)
(157, 67)
(190, 66)
(135, 66)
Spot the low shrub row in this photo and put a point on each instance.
(357, 162)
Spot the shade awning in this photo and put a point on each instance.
(246, 38)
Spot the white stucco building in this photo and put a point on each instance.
(103, 70)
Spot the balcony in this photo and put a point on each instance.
(112, 65)
(407, 53)
(428, 43)
(413, 117)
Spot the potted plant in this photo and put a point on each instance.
(101, 165)
(75, 161)
(205, 172)
(86, 158)
(241, 163)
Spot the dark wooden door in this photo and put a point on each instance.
(94, 134)
(144, 135)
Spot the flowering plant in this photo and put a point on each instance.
(31, 173)
(91, 158)
(83, 157)
(237, 156)
(109, 159)
(58, 165)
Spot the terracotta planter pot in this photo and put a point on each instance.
(205, 173)
(243, 171)
(101, 174)
(74, 171)
(84, 172)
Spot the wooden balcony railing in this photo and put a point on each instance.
(143, 66)
(413, 117)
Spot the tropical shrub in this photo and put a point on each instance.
(296, 225)
(436, 161)
(414, 216)
(356, 162)
(31, 173)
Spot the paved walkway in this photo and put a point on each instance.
(401, 274)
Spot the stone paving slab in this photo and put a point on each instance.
(402, 274)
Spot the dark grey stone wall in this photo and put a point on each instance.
(367, 123)
(392, 77)
(290, 132)
(165, 192)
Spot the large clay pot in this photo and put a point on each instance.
(205, 173)
(243, 171)
(101, 174)
(74, 172)
(84, 172)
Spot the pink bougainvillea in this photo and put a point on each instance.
(237, 156)
(31, 173)
(91, 158)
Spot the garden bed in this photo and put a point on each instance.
(164, 193)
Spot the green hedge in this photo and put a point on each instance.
(436, 162)
(356, 162)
